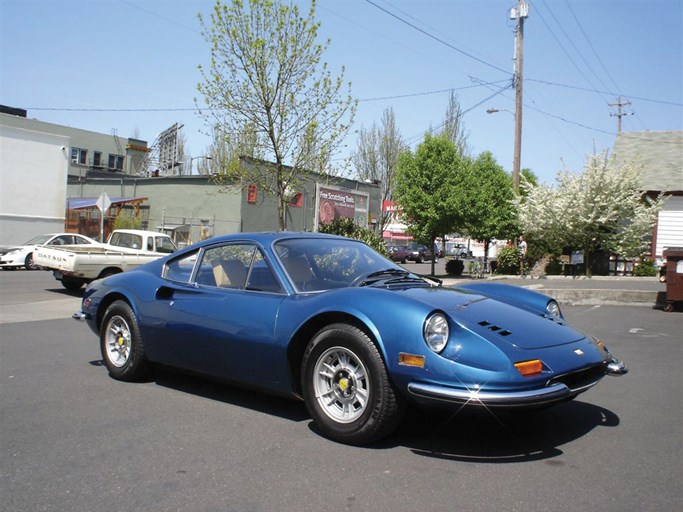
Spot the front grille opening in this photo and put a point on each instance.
(580, 378)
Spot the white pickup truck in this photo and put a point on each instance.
(125, 249)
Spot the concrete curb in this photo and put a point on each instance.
(603, 297)
(583, 296)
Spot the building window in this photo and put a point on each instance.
(251, 194)
(78, 156)
(296, 201)
(97, 159)
(116, 162)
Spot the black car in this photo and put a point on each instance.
(420, 253)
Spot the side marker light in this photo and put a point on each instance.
(411, 360)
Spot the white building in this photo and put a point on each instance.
(33, 175)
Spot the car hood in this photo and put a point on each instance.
(498, 321)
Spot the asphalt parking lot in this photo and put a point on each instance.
(74, 439)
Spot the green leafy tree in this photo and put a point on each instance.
(488, 197)
(601, 208)
(266, 78)
(427, 188)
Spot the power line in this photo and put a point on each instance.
(445, 43)
(412, 95)
(546, 82)
(571, 59)
(496, 93)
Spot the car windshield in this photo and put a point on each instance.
(39, 240)
(317, 264)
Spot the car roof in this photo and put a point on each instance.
(268, 237)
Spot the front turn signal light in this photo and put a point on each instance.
(528, 368)
(411, 360)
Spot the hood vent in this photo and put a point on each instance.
(495, 328)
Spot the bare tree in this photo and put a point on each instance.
(453, 126)
(376, 157)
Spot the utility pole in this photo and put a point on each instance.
(619, 113)
(520, 13)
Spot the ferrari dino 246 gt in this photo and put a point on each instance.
(331, 321)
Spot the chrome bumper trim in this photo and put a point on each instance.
(80, 316)
(553, 393)
(616, 367)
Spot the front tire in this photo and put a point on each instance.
(28, 262)
(346, 387)
(123, 351)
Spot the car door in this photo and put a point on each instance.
(220, 318)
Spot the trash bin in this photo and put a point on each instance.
(674, 276)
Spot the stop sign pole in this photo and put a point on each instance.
(103, 204)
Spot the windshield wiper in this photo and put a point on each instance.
(388, 271)
(379, 275)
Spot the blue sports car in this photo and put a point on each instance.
(329, 320)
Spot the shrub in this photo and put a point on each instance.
(554, 266)
(645, 267)
(127, 222)
(455, 267)
(508, 261)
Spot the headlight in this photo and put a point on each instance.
(553, 308)
(435, 332)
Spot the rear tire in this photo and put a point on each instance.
(123, 351)
(72, 285)
(346, 387)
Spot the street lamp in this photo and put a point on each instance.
(198, 158)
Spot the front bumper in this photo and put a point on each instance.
(428, 393)
(559, 388)
(12, 261)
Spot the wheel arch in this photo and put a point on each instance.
(109, 271)
(305, 333)
(107, 301)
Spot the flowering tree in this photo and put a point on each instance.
(600, 208)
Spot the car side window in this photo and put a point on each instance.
(180, 269)
(261, 277)
(61, 240)
(165, 245)
(238, 266)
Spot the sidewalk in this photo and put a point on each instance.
(598, 290)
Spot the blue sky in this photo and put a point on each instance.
(73, 62)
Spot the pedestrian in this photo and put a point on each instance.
(523, 249)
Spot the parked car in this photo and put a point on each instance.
(399, 253)
(125, 249)
(456, 249)
(420, 253)
(22, 255)
(328, 320)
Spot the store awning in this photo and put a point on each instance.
(396, 235)
(84, 203)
